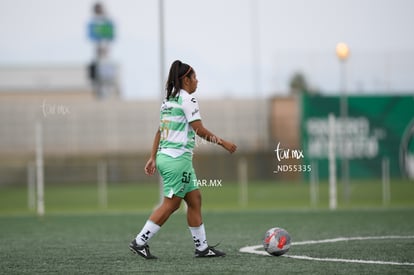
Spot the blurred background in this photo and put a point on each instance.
(81, 83)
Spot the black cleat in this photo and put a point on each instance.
(142, 250)
(209, 252)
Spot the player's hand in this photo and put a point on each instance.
(150, 167)
(229, 146)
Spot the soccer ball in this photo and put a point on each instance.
(276, 241)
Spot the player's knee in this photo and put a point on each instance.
(193, 200)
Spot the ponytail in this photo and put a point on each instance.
(177, 73)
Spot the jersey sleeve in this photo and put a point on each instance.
(191, 109)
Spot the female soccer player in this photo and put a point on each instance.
(171, 154)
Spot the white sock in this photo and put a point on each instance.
(147, 232)
(199, 237)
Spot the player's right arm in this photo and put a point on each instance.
(150, 165)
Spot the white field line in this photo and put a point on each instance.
(345, 239)
(346, 260)
(253, 250)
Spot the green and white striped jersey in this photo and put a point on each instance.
(177, 136)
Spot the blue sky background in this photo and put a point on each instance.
(231, 43)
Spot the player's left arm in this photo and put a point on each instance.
(192, 113)
(204, 133)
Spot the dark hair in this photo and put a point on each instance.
(98, 8)
(177, 73)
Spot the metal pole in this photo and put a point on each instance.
(344, 118)
(243, 182)
(332, 164)
(102, 185)
(162, 46)
(255, 38)
(39, 170)
(162, 64)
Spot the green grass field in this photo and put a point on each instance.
(261, 195)
(77, 237)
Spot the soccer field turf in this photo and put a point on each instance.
(98, 243)
(78, 237)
